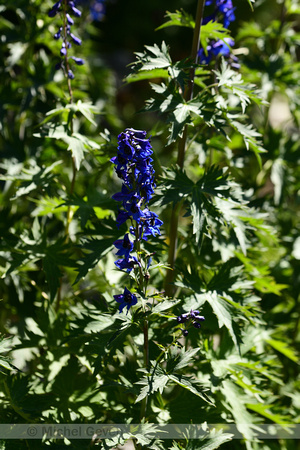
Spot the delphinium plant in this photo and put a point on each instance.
(140, 275)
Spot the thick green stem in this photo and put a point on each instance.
(188, 95)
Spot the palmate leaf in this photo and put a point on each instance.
(178, 18)
(53, 256)
(87, 109)
(158, 380)
(97, 249)
(212, 198)
(224, 293)
(212, 30)
(94, 248)
(191, 385)
(249, 135)
(5, 361)
(235, 402)
(182, 359)
(153, 58)
(233, 82)
(30, 178)
(86, 207)
(213, 440)
(77, 143)
(225, 313)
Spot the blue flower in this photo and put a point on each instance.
(216, 48)
(127, 263)
(124, 246)
(223, 11)
(127, 299)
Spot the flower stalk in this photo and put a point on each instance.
(188, 95)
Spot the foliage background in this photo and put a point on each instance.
(78, 360)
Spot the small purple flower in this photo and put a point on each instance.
(215, 49)
(127, 299)
(124, 246)
(191, 317)
(78, 61)
(76, 40)
(194, 313)
(127, 263)
(54, 10)
(183, 318)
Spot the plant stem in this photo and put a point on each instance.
(188, 95)
(143, 287)
(74, 170)
(146, 364)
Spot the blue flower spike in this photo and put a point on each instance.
(133, 165)
(69, 9)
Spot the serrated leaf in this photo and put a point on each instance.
(98, 249)
(264, 410)
(5, 346)
(213, 30)
(164, 305)
(152, 383)
(179, 18)
(214, 442)
(283, 348)
(224, 313)
(87, 110)
(184, 358)
(147, 75)
(235, 403)
(154, 57)
(191, 385)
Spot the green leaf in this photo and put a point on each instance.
(5, 361)
(153, 58)
(264, 410)
(191, 385)
(224, 313)
(152, 383)
(147, 75)
(235, 402)
(77, 143)
(283, 348)
(31, 177)
(185, 358)
(57, 254)
(87, 109)
(175, 186)
(212, 30)
(215, 440)
(97, 249)
(179, 18)
(232, 82)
